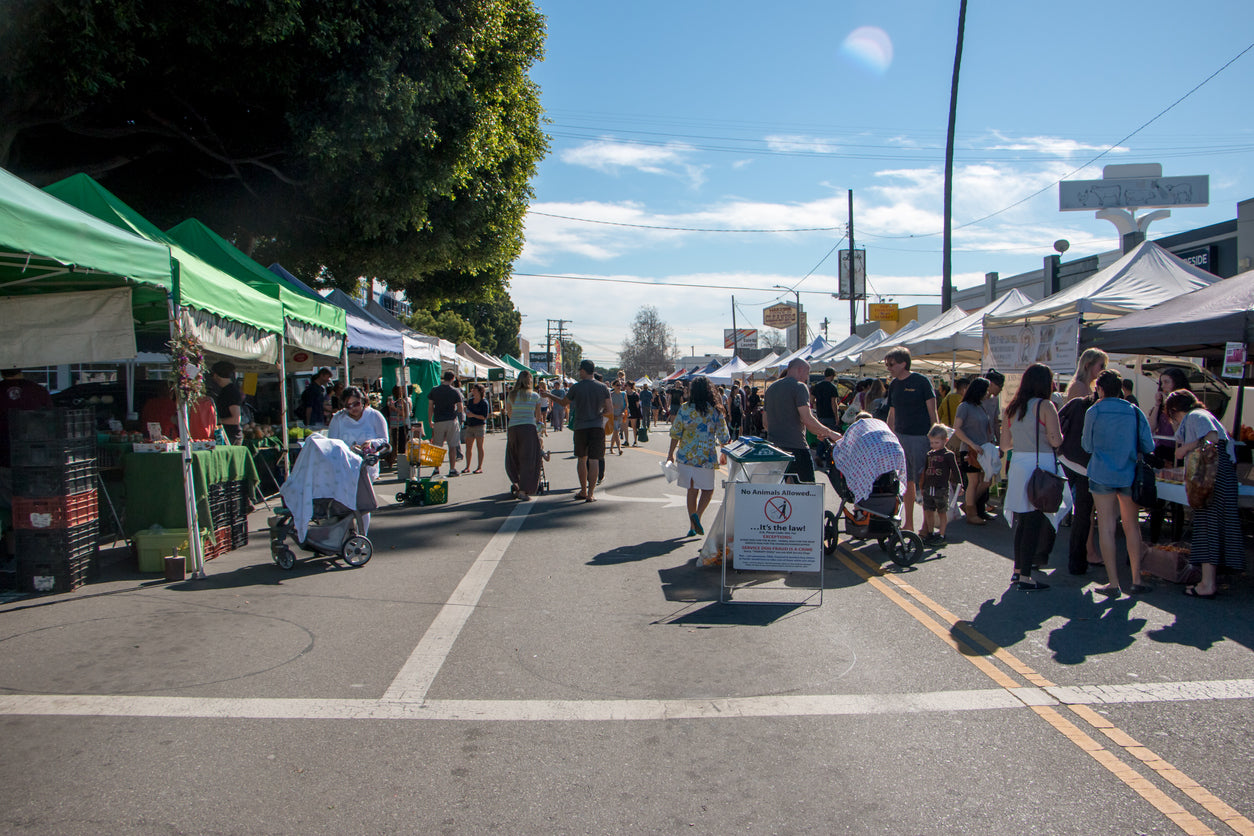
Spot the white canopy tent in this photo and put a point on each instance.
(863, 355)
(735, 369)
(842, 359)
(963, 341)
(876, 354)
(819, 346)
(838, 349)
(759, 368)
(1048, 331)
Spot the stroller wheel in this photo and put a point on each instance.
(831, 531)
(883, 544)
(285, 557)
(358, 550)
(907, 549)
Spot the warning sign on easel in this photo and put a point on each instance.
(779, 528)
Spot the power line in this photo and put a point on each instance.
(679, 228)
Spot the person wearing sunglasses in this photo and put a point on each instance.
(359, 425)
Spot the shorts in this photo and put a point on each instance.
(590, 442)
(474, 430)
(1096, 489)
(936, 502)
(802, 465)
(701, 478)
(444, 433)
(915, 447)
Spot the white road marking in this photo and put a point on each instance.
(819, 705)
(419, 671)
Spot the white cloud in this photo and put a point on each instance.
(792, 143)
(1049, 145)
(611, 156)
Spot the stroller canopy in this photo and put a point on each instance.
(325, 469)
(868, 450)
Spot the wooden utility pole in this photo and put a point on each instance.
(853, 273)
(947, 267)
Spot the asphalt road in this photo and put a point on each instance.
(564, 667)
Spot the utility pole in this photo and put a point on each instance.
(853, 273)
(735, 336)
(561, 341)
(947, 291)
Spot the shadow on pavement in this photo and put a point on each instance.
(638, 551)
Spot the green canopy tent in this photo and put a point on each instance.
(518, 366)
(75, 288)
(314, 330)
(227, 316)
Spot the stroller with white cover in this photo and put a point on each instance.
(325, 499)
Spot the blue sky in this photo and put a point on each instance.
(748, 116)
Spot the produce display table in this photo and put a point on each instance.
(154, 484)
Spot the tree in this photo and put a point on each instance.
(495, 320)
(773, 338)
(447, 325)
(389, 138)
(646, 351)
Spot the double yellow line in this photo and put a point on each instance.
(977, 649)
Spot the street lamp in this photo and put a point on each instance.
(796, 313)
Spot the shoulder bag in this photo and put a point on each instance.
(1144, 486)
(1044, 488)
(1200, 466)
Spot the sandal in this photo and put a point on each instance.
(1109, 591)
(1191, 592)
(581, 495)
(1029, 586)
(477, 470)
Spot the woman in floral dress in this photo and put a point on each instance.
(697, 432)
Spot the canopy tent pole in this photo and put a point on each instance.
(1236, 419)
(283, 465)
(185, 445)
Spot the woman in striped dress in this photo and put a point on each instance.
(1216, 528)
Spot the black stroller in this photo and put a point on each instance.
(876, 517)
(331, 482)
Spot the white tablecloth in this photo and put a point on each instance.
(1174, 492)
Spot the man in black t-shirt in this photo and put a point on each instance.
(229, 401)
(825, 399)
(312, 399)
(444, 404)
(911, 413)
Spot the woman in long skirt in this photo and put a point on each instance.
(522, 440)
(1216, 528)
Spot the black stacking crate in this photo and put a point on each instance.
(51, 424)
(54, 481)
(57, 453)
(56, 559)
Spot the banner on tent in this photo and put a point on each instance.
(1012, 348)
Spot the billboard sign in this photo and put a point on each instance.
(860, 277)
(739, 338)
(782, 315)
(1133, 193)
(883, 312)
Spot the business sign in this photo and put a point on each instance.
(1012, 348)
(739, 338)
(1201, 257)
(779, 528)
(1234, 360)
(782, 315)
(1133, 193)
(540, 361)
(883, 312)
(859, 290)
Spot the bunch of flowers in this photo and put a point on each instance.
(188, 359)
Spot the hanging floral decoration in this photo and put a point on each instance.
(188, 359)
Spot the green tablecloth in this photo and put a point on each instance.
(154, 484)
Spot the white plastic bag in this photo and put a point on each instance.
(670, 471)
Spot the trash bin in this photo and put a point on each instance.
(750, 459)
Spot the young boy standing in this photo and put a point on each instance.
(940, 479)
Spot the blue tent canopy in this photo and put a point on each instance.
(364, 334)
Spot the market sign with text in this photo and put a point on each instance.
(782, 315)
(882, 312)
(739, 338)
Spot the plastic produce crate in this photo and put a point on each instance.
(56, 453)
(54, 481)
(57, 545)
(56, 511)
(51, 424)
(50, 576)
(153, 547)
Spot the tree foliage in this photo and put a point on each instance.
(388, 138)
(647, 349)
(490, 325)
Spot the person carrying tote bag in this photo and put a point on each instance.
(1032, 432)
(1115, 445)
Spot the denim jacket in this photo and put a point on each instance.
(1110, 436)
